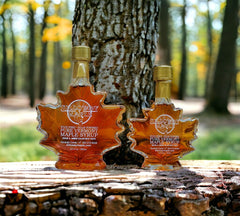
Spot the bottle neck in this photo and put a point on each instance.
(80, 74)
(162, 91)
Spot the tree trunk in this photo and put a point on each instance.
(164, 37)
(31, 90)
(57, 71)
(43, 70)
(183, 72)
(210, 51)
(23, 73)
(43, 60)
(4, 80)
(122, 35)
(13, 80)
(226, 60)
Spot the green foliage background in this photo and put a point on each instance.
(21, 143)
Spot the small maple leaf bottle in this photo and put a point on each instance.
(80, 128)
(162, 137)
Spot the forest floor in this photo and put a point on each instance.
(15, 110)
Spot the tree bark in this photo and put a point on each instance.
(13, 78)
(57, 64)
(43, 70)
(210, 51)
(57, 74)
(183, 72)
(122, 35)
(43, 60)
(164, 37)
(226, 61)
(4, 80)
(31, 90)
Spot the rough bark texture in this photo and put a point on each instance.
(200, 188)
(31, 67)
(42, 72)
(4, 72)
(226, 60)
(57, 67)
(43, 59)
(122, 35)
(183, 72)
(164, 37)
(210, 51)
(13, 75)
(57, 64)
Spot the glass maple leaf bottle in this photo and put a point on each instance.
(162, 137)
(80, 128)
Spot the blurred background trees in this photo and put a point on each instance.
(225, 68)
(35, 51)
(36, 47)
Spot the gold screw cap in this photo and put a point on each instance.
(163, 72)
(81, 53)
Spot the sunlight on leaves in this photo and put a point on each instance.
(201, 69)
(54, 19)
(62, 29)
(34, 4)
(66, 64)
(238, 77)
(5, 7)
(176, 74)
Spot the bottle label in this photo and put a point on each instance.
(80, 128)
(79, 137)
(164, 123)
(162, 136)
(82, 137)
(80, 111)
(164, 144)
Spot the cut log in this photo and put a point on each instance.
(205, 187)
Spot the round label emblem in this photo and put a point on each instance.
(79, 112)
(164, 124)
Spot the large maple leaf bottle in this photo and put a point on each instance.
(162, 137)
(80, 128)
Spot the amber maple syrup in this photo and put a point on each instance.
(162, 136)
(80, 128)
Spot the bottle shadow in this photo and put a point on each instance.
(123, 155)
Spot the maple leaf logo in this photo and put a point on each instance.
(80, 128)
(162, 137)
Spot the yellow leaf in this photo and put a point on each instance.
(50, 34)
(5, 7)
(62, 29)
(201, 69)
(176, 65)
(54, 19)
(222, 6)
(24, 8)
(34, 4)
(201, 49)
(66, 64)
(175, 4)
(38, 53)
(238, 77)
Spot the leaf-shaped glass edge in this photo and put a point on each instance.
(101, 102)
(145, 119)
